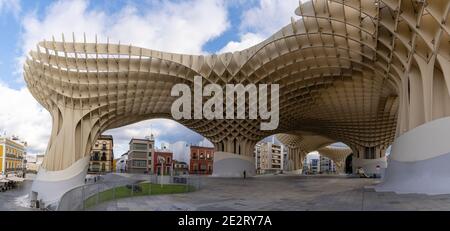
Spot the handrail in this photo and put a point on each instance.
(76, 198)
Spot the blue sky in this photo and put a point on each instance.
(189, 26)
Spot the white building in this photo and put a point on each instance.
(268, 158)
(315, 163)
(326, 165)
(121, 163)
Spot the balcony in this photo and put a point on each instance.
(95, 158)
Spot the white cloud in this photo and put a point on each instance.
(261, 21)
(10, 6)
(22, 115)
(312, 155)
(247, 40)
(269, 16)
(169, 26)
(206, 143)
(181, 151)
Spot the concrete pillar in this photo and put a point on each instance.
(67, 157)
(419, 160)
(229, 164)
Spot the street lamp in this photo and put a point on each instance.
(161, 161)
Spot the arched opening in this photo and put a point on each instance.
(328, 159)
(140, 145)
(270, 156)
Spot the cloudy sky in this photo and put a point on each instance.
(189, 26)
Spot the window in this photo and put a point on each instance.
(140, 163)
(150, 146)
(168, 159)
(104, 156)
(202, 156)
(95, 167)
(139, 146)
(96, 156)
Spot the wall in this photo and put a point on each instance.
(231, 165)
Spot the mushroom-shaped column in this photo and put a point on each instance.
(337, 155)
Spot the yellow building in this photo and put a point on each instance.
(12, 153)
(102, 155)
(114, 165)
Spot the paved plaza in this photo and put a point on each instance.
(17, 199)
(263, 193)
(282, 192)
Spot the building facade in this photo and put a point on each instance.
(201, 161)
(314, 166)
(269, 158)
(140, 155)
(12, 156)
(162, 162)
(180, 168)
(34, 162)
(122, 163)
(327, 166)
(102, 155)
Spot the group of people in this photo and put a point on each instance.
(92, 179)
(7, 186)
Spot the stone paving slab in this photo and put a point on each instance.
(282, 192)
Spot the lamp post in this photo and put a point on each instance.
(161, 161)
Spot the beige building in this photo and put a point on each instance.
(12, 156)
(269, 158)
(140, 155)
(102, 155)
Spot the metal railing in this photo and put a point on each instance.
(90, 195)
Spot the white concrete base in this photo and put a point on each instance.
(233, 165)
(420, 160)
(369, 165)
(51, 185)
(295, 172)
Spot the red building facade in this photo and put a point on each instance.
(201, 160)
(168, 161)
